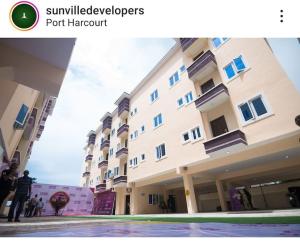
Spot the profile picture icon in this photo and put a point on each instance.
(24, 15)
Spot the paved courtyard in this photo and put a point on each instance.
(127, 226)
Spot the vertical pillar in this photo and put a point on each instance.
(190, 194)
(120, 202)
(221, 195)
(133, 200)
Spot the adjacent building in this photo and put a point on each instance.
(213, 115)
(31, 74)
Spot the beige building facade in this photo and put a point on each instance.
(31, 74)
(214, 116)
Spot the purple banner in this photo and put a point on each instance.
(68, 200)
(104, 203)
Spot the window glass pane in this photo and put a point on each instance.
(259, 106)
(198, 132)
(22, 114)
(180, 102)
(182, 68)
(216, 42)
(186, 136)
(157, 153)
(163, 151)
(150, 199)
(171, 81)
(176, 76)
(247, 114)
(239, 63)
(229, 71)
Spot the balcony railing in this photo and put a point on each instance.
(120, 179)
(103, 164)
(203, 66)
(85, 174)
(227, 141)
(186, 42)
(106, 126)
(122, 153)
(212, 98)
(123, 130)
(88, 157)
(123, 108)
(101, 186)
(105, 145)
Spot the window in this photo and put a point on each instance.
(113, 132)
(154, 96)
(253, 109)
(160, 151)
(189, 97)
(150, 199)
(135, 110)
(182, 68)
(136, 133)
(173, 79)
(143, 157)
(130, 163)
(135, 161)
(180, 102)
(131, 136)
(153, 199)
(116, 171)
(186, 137)
(196, 133)
(143, 129)
(236, 66)
(111, 151)
(205, 87)
(22, 115)
(217, 42)
(109, 174)
(157, 120)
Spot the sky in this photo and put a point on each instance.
(100, 70)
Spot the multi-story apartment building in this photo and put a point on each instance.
(31, 74)
(213, 114)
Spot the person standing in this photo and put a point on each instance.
(8, 177)
(33, 202)
(23, 191)
(39, 207)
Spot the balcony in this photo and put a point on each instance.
(101, 186)
(106, 123)
(213, 98)
(226, 143)
(123, 131)
(88, 157)
(91, 139)
(105, 145)
(103, 164)
(205, 65)
(85, 174)
(122, 153)
(120, 181)
(123, 105)
(192, 46)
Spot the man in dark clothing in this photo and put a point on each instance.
(7, 180)
(22, 194)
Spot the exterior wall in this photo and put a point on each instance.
(21, 95)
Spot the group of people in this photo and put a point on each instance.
(9, 181)
(33, 207)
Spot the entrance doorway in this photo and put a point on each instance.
(127, 204)
(218, 126)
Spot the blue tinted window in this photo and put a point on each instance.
(180, 102)
(239, 63)
(217, 42)
(247, 114)
(157, 120)
(259, 106)
(182, 68)
(22, 114)
(189, 97)
(229, 71)
(171, 81)
(176, 77)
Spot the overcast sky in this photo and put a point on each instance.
(99, 71)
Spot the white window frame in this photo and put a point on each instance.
(142, 160)
(175, 82)
(162, 121)
(222, 42)
(187, 95)
(161, 157)
(192, 136)
(155, 97)
(237, 74)
(180, 106)
(253, 111)
(135, 162)
(182, 137)
(143, 131)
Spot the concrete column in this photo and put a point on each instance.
(120, 202)
(190, 194)
(133, 200)
(221, 195)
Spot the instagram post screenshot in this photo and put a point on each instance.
(130, 120)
